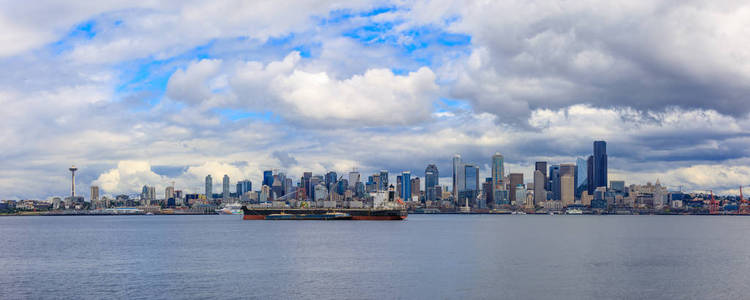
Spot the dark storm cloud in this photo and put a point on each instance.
(170, 171)
(647, 56)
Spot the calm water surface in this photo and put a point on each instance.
(425, 257)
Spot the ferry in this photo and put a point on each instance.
(574, 211)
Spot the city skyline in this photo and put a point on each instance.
(499, 180)
(136, 93)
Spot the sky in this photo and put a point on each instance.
(153, 92)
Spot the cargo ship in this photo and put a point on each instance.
(372, 214)
(324, 217)
(386, 207)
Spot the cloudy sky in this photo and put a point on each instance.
(150, 92)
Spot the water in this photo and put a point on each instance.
(425, 257)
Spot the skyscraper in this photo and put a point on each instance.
(383, 180)
(515, 180)
(498, 171)
(94, 194)
(209, 187)
(600, 163)
(144, 193)
(406, 185)
(567, 192)
(458, 176)
(590, 175)
(277, 190)
(306, 177)
(540, 193)
(554, 182)
(431, 180)
(353, 179)
(581, 176)
(268, 178)
(471, 184)
(331, 178)
(415, 187)
(225, 187)
(542, 167)
(243, 187)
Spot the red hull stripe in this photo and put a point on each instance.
(378, 218)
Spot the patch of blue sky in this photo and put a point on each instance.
(339, 16)
(420, 44)
(201, 51)
(373, 33)
(448, 105)
(81, 31)
(378, 10)
(238, 114)
(152, 75)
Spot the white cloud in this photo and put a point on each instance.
(191, 85)
(128, 177)
(377, 97)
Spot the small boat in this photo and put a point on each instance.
(230, 209)
(574, 211)
(326, 216)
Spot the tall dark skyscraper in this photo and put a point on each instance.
(581, 177)
(243, 187)
(431, 176)
(542, 167)
(383, 180)
(590, 175)
(331, 178)
(553, 180)
(268, 178)
(600, 164)
(306, 176)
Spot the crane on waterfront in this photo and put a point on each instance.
(743, 206)
(713, 206)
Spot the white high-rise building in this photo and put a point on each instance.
(225, 187)
(168, 192)
(209, 187)
(458, 176)
(353, 179)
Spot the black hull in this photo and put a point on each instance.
(356, 214)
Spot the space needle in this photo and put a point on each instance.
(73, 170)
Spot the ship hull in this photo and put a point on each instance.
(292, 217)
(356, 214)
